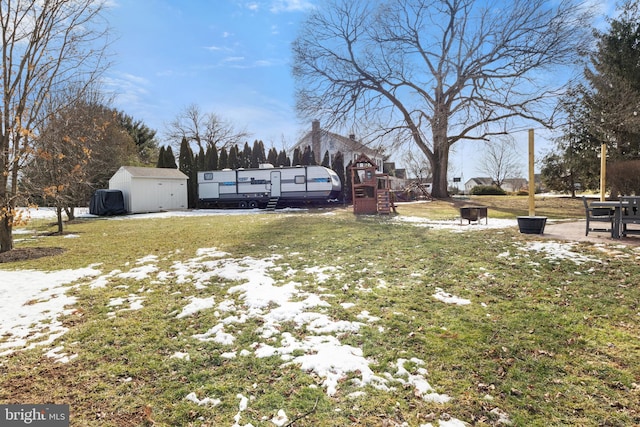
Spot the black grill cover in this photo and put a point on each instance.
(107, 202)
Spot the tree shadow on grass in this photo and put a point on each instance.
(25, 254)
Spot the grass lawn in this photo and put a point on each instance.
(322, 318)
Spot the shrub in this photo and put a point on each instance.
(487, 190)
(623, 177)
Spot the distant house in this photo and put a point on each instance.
(510, 185)
(321, 141)
(513, 185)
(474, 182)
(150, 189)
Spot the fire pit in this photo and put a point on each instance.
(474, 213)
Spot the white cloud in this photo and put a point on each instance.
(278, 6)
(234, 59)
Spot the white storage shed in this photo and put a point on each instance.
(150, 189)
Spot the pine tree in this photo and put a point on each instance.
(347, 185)
(297, 157)
(257, 154)
(338, 167)
(234, 161)
(169, 159)
(161, 155)
(325, 160)
(202, 158)
(307, 156)
(223, 159)
(606, 110)
(188, 167)
(283, 160)
(245, 156)
(272, 157)
(613, 96)
(211, 158)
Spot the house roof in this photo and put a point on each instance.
(143, 172)
(348, 144)
(479, 181)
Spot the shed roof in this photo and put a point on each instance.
(144, 172)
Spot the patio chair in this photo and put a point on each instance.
(629, 214)
(599, 215)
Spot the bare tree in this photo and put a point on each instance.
(436, 71)
(415, 166)
(46, 45)
(501, 160)
(205, 129)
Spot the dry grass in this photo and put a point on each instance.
(554, 343)
(499, 207)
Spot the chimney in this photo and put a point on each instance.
(315, 139)
(352, 136)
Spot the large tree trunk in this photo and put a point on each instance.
(6, 238)
(6, 213)
(440, 185)
(440, 158)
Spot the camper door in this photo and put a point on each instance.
(275, 184)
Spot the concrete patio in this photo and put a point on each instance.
(574, 231)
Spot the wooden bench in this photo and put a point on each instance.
(599, 215)
(629, 214)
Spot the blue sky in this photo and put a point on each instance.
(231, 58)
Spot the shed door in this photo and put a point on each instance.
(165, 195)
(275, 184)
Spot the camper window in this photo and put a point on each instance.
(299, 179)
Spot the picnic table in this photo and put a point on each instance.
(625, 212)
(615, 206)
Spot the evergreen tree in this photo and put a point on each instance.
(245, 156)
(338, 167)
(606, 110)
(211, 158)
(307, 156)
(613, 94)
(160, 162)
(297, 157)
(347, 186)
(223, 159)
(262, 156)
(283, 160)
(272, 157)
(576, 154)
(234, 153)
(325, 160)
(143, 136)
(201, 163)
(257, 154)
(169, 159)
(188, 167)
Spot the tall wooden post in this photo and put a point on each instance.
(603, 171)
(532, 177)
